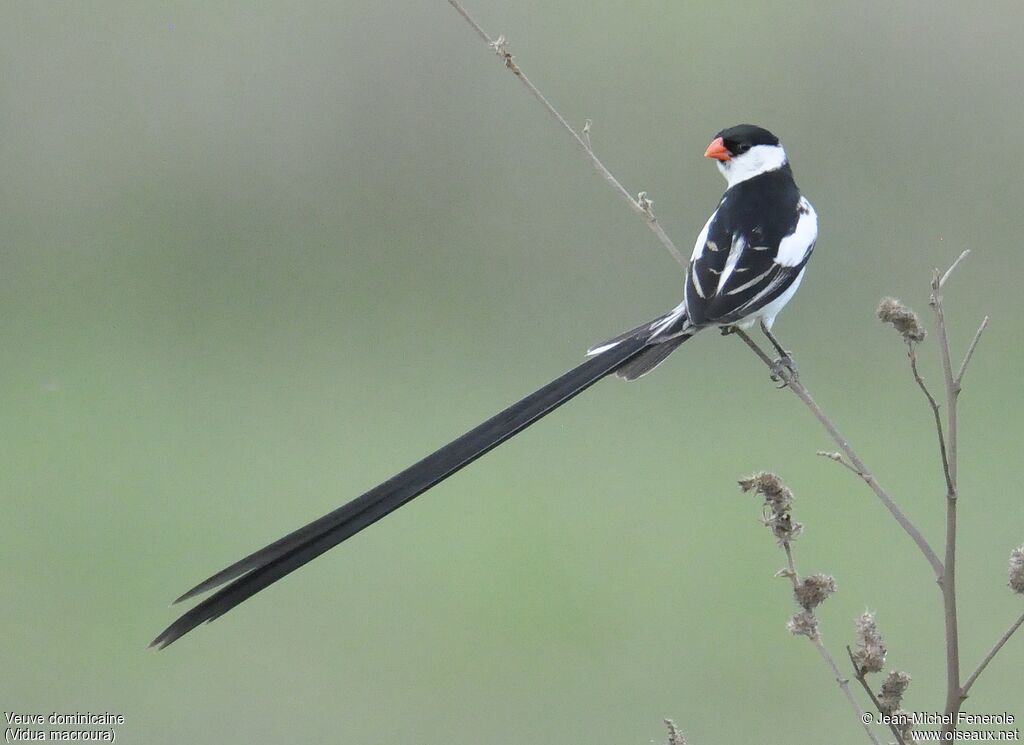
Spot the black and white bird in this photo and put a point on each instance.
(746, 265)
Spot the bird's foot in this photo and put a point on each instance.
(726, 330)
(784, 370)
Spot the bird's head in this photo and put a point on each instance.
(745, 151)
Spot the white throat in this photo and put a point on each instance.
(757, 160)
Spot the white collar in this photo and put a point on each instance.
(757, 160)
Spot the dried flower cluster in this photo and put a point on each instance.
(903, 319)
(778, 504)
(675, 737)
(1017, 569)
(812, 591)
(893, 688)
(869, 652)
(803, 623)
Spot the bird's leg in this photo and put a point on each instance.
(783, 363)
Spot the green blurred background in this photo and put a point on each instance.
(254, 258)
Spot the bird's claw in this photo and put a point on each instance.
(784, 369)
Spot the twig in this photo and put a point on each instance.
(970, 351)
(499, 46)
(838, 458)
(859, 467)
(912, 354)
(843, 681)
(862, 679)
(992, 653)
(954, 265)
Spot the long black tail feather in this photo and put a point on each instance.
(264, 567)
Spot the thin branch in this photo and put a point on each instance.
(844, 684)
(954, 265)
(838, 458)
(643, 210)
(952, 388)
(970, 351)
(843, 681)
(862, 679)
(912, 354)
(861, 469)
(754, 347)
(992, 653)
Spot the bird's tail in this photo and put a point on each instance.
(665, 333)
(246, 577)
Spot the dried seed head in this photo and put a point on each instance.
(803, 624)
(812, 591)
(1017, 569)
(893, 688)
(903, 319)
(783, 527)
(675, 737)
(869, 652)
(769, 486)
(778, 502)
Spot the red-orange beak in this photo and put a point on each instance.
(717, 150)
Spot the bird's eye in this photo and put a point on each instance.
(742, 148)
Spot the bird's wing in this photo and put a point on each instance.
(734, 274)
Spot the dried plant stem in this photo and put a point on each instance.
(992, 653)
(948, 582)
(863, 680)
(843, 681)
(801, 392)
(640, 205)
(838, 458)
(912, 355)
(942, 282)
(970, 350)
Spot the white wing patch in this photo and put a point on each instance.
(751, 283)
(695, 281)
(794, 247)
(674, 315)
(735, 251)
(702, 239)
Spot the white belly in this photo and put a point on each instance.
(768, 312)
